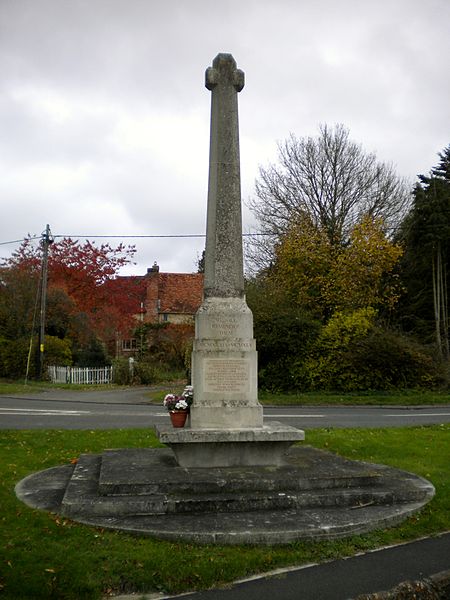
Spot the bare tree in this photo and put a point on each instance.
(329, 178)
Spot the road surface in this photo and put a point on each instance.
(112, 409)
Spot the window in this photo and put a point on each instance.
(129, 345)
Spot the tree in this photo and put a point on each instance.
(80, 269)
(324, 278)
(284, 333)
(14, 355)
(18, 293)
(331, 181)
(86, 299)
(425, 233)
(201, 263)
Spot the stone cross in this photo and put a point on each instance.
(223, 258)
(224, 361)
(226, 420)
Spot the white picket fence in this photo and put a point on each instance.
(85, 375)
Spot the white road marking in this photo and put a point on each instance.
(34, 412)
(294, 416)
(41, 411)
(418, 416)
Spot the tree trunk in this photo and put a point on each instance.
(445, 309)
(437, 299)
(440, 302)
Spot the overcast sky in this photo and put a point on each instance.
(105, 118)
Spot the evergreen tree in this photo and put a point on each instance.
(426, 261)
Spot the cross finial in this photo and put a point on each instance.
(224, 72)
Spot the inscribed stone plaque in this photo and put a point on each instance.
(227, 375)
(224, 326)
(233, 345)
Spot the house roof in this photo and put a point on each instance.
(180, 292)
(177, 293)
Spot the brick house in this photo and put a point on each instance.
(171, 298)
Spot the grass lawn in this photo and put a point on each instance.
(32, 387)
(404, 398)
(44, 556)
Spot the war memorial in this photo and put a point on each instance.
(227, 477)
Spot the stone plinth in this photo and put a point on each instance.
(224, 367)
(201, 448)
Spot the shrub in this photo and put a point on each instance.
(144, 373)
(121, 371)
(57, 351)
(329, 365)
(93, 354)
(14, 355)
(283, 341)
(392, 360)
(352, 353)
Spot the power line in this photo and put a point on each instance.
(180, 235)
(35, 237)
(186, 235)
(91, 236)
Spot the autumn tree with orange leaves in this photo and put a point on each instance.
(86, 299)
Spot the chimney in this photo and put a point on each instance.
(153, 269)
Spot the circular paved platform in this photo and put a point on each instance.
(313, 495)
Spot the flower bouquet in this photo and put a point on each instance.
(178, 406)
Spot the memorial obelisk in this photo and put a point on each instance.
(224, 360)
(226, 422)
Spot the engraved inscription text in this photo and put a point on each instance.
(225, 326)
(230, 375)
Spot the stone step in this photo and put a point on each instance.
(148, 471)
(348, 498)
(259, 527)
(82, 496)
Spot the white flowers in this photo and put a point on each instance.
(183, 402)
(181, 405)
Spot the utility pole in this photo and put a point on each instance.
(46, 241)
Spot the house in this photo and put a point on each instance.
(171, 298)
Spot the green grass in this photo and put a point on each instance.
(44, 556)
(19, 387)
(33, 387)
(404, 397)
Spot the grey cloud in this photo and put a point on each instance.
(127, 70)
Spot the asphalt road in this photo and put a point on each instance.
(113, 409)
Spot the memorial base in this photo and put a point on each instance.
(197, 448)
(224, 417)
